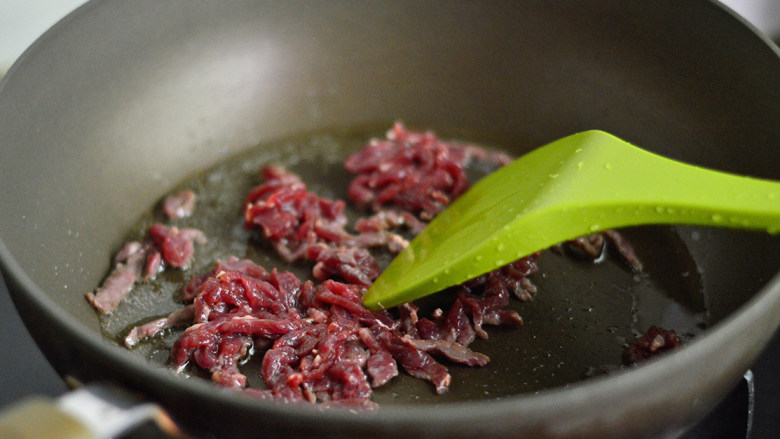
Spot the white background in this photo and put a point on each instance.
(22, 21)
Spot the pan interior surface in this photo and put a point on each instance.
(579, 325)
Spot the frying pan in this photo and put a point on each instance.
(121, 101)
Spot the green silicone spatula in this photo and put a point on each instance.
(572, 187)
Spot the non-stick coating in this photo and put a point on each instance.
(122, 100)
(576, 327)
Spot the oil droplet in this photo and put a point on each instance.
(594, 227)
(553, 176)
(447, 271)
(500, 247)
(478, 257)
(659, 209)
(717, 218)
(608, 165)
(580, 165)
(435, 280)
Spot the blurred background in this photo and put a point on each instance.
(22, 21)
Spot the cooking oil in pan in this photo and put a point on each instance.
(579, 324)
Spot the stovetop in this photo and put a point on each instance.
(750, 411)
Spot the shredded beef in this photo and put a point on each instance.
(175, 245)
(179, 317)
(354, 265)
(593, 247)
(141, 261)
(390, 219)
(129, 265)
(302, 225)
(318, 343)
(452, 350)
(624, 249)
(179, 205)
(291, 217)
(329, 356)
(412, 171)
(655, 342)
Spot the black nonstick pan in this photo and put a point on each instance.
(122, 103)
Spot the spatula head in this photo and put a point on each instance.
(581, 184)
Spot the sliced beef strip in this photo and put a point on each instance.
(654, 342)
(141, 261)
(318, 342)
(179, 205)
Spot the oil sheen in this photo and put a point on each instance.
(578, 326)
